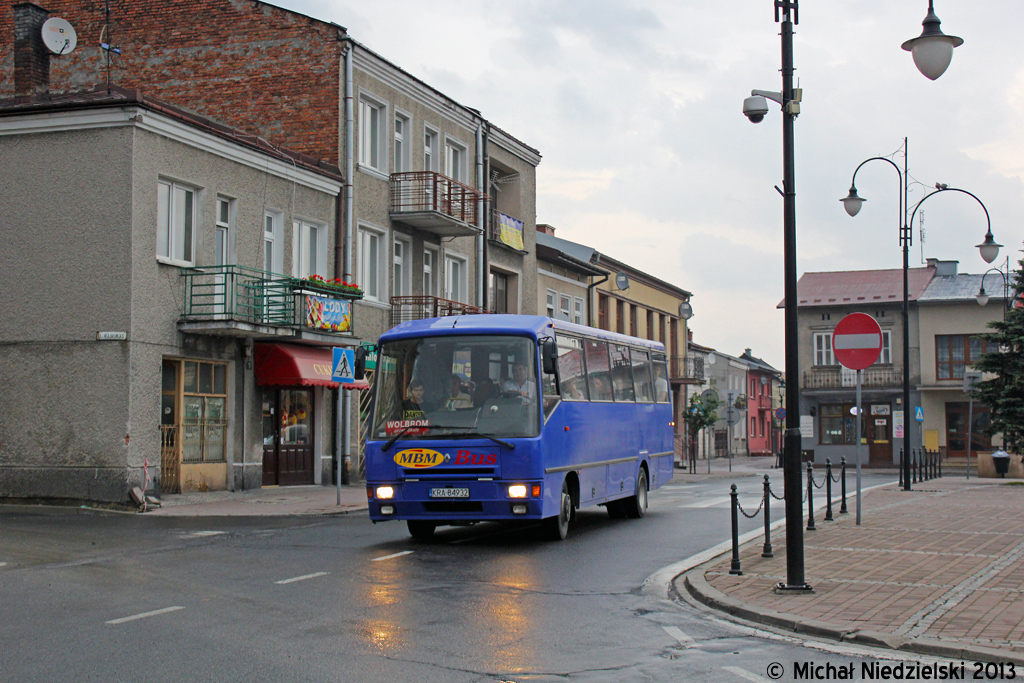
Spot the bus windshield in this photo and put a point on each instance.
(459, 386)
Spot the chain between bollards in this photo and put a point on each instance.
(842, 475)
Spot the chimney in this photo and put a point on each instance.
(31, 58)
(943, 268)
(546, 229)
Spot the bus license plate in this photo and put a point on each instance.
(449, 493)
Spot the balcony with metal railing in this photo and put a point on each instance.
(688, 369)
(405, 308)
(833, 377)
(435, 203)
(506, 230)
(245, 302)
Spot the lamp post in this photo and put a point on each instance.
(754, 108)
(989, 249)
(933, 49)
(982, 296)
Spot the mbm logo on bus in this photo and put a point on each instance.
(418, 458)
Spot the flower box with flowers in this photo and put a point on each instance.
(337, 286)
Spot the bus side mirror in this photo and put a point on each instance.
(549, 356)
(359, 372)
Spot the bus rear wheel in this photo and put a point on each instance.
(421, 530)
(558, 526)
(636, 506)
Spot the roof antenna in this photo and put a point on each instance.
(107, 47)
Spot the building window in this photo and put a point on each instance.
(401, 267)
(954, 352)
(203, 409)
(564, 303)
(885, 357)
(823, 349)
(455, 278)
(577, 311)
(273, 238)
(836, 425)
(176, 222)
(429, 278)
(372, 151)
(499, 292)
(632, 321)
(402, 144)
(371, 266)
(430, 152)
(552, 297)
(309, 256)
(222, 234)
(455, 161)
(620, 316)
(602, 311)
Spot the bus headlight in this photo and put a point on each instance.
(517, 491)
(385, 492)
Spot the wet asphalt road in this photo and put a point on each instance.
(88, 595)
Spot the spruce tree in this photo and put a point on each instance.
(1004, 393)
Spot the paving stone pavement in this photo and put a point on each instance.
(937, 570)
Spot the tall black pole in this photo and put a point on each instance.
(791, 464)
(905, 238)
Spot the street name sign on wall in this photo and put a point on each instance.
(857, 341)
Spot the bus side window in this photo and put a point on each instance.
(661, 394)
(642, 376)
(598, 375)
(571, 372)
(622, 377)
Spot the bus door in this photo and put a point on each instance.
(579, 441)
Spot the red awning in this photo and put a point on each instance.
(292, 365)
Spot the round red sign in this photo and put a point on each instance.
(857, 341)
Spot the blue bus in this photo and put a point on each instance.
(515, 417)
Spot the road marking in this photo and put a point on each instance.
(743, 673)
(201, 534)
(388, 557)
(3, 564)
(144, 615)
(706, 503)
(684, 640)
(302, 578)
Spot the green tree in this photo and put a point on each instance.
(1004, 393)
(700, 413)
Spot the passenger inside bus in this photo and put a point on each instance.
(411, 409)
(660, 384)
(458, 397)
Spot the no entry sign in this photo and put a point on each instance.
(857, 341)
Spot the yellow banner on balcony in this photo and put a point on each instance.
(511, 231)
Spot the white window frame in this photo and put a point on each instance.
(224, 231)
(564, 307)
(401, 267)
(552, 300)
(430, 271)
(823, 356)
(276, 237)
(402, 156)
(373, 149)
(309, 237)
(453, 279)
(431, 152)
(578, 311)
(885, 357)
(456, 166)
(376, 289)
(176, 232)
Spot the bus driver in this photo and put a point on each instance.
(520, 383)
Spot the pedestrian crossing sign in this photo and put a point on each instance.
(919, 413)
(343, 368)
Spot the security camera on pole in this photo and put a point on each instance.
(856, 343)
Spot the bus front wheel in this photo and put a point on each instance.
(421, 530)
(636, 506)
(558, 526)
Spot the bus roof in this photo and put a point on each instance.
(532, 325)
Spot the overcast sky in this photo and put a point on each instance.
(636, 109)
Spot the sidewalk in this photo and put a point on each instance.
(938, 570)
(273, 500)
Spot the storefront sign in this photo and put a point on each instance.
(333, 315)
(511, 231)
(897, 424)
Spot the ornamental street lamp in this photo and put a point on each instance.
(983, 297)
(933, 49)
(989, 249)
(755, 108)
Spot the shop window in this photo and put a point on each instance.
(837, 424)
(203, 412)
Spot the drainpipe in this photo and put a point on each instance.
(481, 238)
(590, 298)
(345, 413)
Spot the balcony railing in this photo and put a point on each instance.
(221, 295)
(764, 402)
(833, 377)
(686, 367)
(405, 308)
(435, 203)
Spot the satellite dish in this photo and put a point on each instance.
(764, 380)
(59, 36)
(685, 310)
(621, 280)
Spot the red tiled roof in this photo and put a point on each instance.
(860, 287)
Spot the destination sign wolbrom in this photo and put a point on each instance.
(857, 341)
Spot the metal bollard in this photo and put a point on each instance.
(828, 490)
(810, 497)
(767, 550)
(735, 567)
(901, 467)
(913, 467)
(938, 457)
(842, 474)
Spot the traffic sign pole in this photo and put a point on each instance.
(859, 420)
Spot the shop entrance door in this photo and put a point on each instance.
(287, 437)
(956, 430)
(878, 427)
